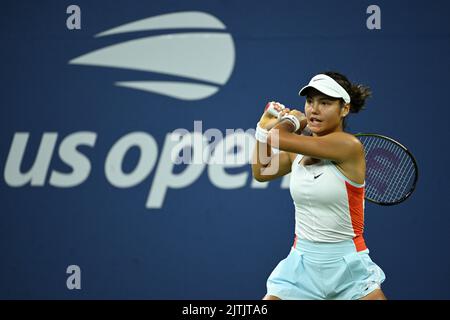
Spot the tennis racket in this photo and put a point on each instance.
(391, 169)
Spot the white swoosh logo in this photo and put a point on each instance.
(204, 56)
(178, 90)
(178, 20)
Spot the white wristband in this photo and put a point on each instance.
(292, 119)
(261, 134)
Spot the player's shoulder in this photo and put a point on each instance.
(345, 136)
(349, 139)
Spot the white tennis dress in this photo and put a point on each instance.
(328, 206)
(329, 258)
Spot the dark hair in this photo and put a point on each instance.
(358, 93)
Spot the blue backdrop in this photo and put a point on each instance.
(203, 235)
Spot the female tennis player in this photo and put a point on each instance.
(329, 258)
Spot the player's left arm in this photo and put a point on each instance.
(337, 146)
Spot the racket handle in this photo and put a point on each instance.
(270, 108)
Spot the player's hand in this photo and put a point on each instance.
(268, 121)
(301, 118)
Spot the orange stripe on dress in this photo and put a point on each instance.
(356, 208)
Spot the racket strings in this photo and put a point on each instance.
(396, 181)
(391, 171)
(387, 182)
(404, 176)
(399, 181)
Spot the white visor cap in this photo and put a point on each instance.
(327, 86)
